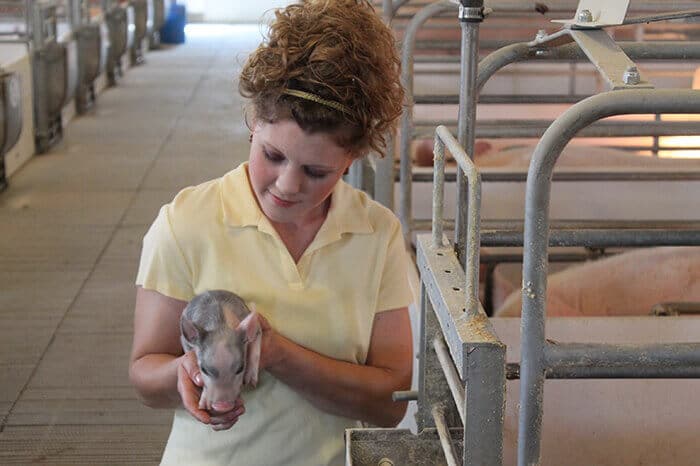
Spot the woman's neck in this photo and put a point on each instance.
(297, 236)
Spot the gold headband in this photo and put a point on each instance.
(319, 100)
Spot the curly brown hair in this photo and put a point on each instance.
(339, 50)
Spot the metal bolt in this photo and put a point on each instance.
(585, 16)
(541, 34)
(385, 462)
(631, 75)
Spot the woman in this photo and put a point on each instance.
(324, 265)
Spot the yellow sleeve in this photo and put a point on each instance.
(394, 289)
(163, 267)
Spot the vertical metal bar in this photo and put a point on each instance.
(471, 14)
(422, 358)
(655, 140)
(438, 191)
(73, 14)
(405, 170)
(384, 176)
(354, 174)
(38, 26)
(444, 435)
(28, 32)
(532, 326)
(384, 167)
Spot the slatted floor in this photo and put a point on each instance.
(71, 225)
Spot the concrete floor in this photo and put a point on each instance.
(71, 225)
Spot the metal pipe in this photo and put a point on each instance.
(407, 50)
(489, 65)
(667, 359)
(594, 234)
(575, 225)
(583, 372)
(509, 176)
(537, 201)
(444, 435)
(397, 4)
(468, 92)
(28, 19)
(603, 238)
(37, 26)
(453, 380)
(432, 99)
(497, 129)
(438, 192)
(383, 188)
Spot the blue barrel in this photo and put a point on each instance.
(173, 30)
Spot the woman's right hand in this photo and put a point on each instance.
(189, 386)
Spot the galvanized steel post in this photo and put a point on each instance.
(471, 14)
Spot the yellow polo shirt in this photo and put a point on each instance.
(214, 236)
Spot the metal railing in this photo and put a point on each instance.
(456, 328)
(538, 355)
(487, 67)
(463, 370)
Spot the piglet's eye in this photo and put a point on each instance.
(240, 369)
(210, 372)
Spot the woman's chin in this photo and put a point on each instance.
(279, 214)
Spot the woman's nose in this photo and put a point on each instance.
(288, 181)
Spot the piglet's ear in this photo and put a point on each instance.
(252, 334)
(250, 327)
(191, 332)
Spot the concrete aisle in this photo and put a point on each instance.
(71, 226)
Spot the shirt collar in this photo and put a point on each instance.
(347, 214)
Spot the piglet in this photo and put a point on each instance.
(225, 336)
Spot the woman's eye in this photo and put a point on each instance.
(205, 371)
(275, 158)
(315, 174)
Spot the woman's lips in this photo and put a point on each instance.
(281, 202)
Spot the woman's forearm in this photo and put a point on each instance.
(338, 387)
(155, 378)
